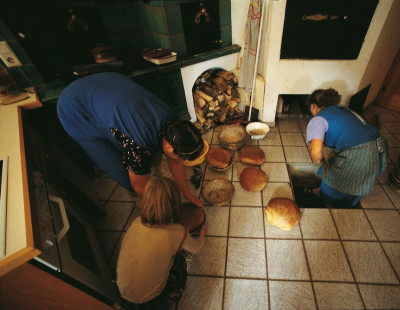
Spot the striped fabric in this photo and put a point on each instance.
(354, 170)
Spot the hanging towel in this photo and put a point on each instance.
(251, 31)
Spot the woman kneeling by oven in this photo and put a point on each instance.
(361, 153)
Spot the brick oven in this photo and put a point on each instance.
(319, 44)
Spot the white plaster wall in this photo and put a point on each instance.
(239, 9)
(304, 76)
(384, 53)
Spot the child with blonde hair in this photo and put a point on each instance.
(151, 268)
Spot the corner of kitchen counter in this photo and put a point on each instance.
(19, 236)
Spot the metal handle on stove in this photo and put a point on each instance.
(64, 217)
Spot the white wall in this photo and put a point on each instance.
(239, 9)
(304, 76)
(385, 51)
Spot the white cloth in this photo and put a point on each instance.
(251, 32)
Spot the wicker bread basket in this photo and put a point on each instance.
(225, 168)
(233, 137)
(218, 192)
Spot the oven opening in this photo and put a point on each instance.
(293, 106)
(306, 183)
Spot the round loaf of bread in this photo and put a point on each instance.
(191, 216)
(218, 158)
(253, 179)
(251, 155)
(282, 213)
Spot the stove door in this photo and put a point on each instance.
(329, 29)
(41, 217)
(80, 254)
(44, 229)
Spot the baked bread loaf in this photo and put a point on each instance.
(282, 213)
(218, 158)
(253, 179)
(251, 155)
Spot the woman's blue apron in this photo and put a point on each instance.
(361, 156)
(354, 170)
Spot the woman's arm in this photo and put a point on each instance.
(178, 172)
(138, 182)
(316, 129)
(316, 146)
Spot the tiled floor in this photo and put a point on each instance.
(335, 259)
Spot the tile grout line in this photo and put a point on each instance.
(347, 258)
(381, 246)
(265, 249)
(308, 268)
(387, 195)
(122, 231)
(227, 243)
(227, 248)
(299, 239)
(290, 280)
(301, 232)
(302, 240)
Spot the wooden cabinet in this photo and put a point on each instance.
(28, 287)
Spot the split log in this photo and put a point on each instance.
(235, 93)
(213, 91)
(221, 83)
(201, 102)
(199, 127)
(226, 75)
(200, 118)
(233, 104)
(221, 97)
(203, 95)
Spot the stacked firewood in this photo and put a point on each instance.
(216, 99)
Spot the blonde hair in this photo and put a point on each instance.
(161, 202)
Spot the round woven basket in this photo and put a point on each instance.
(225, 168)
(233, 137)
(218, 192)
